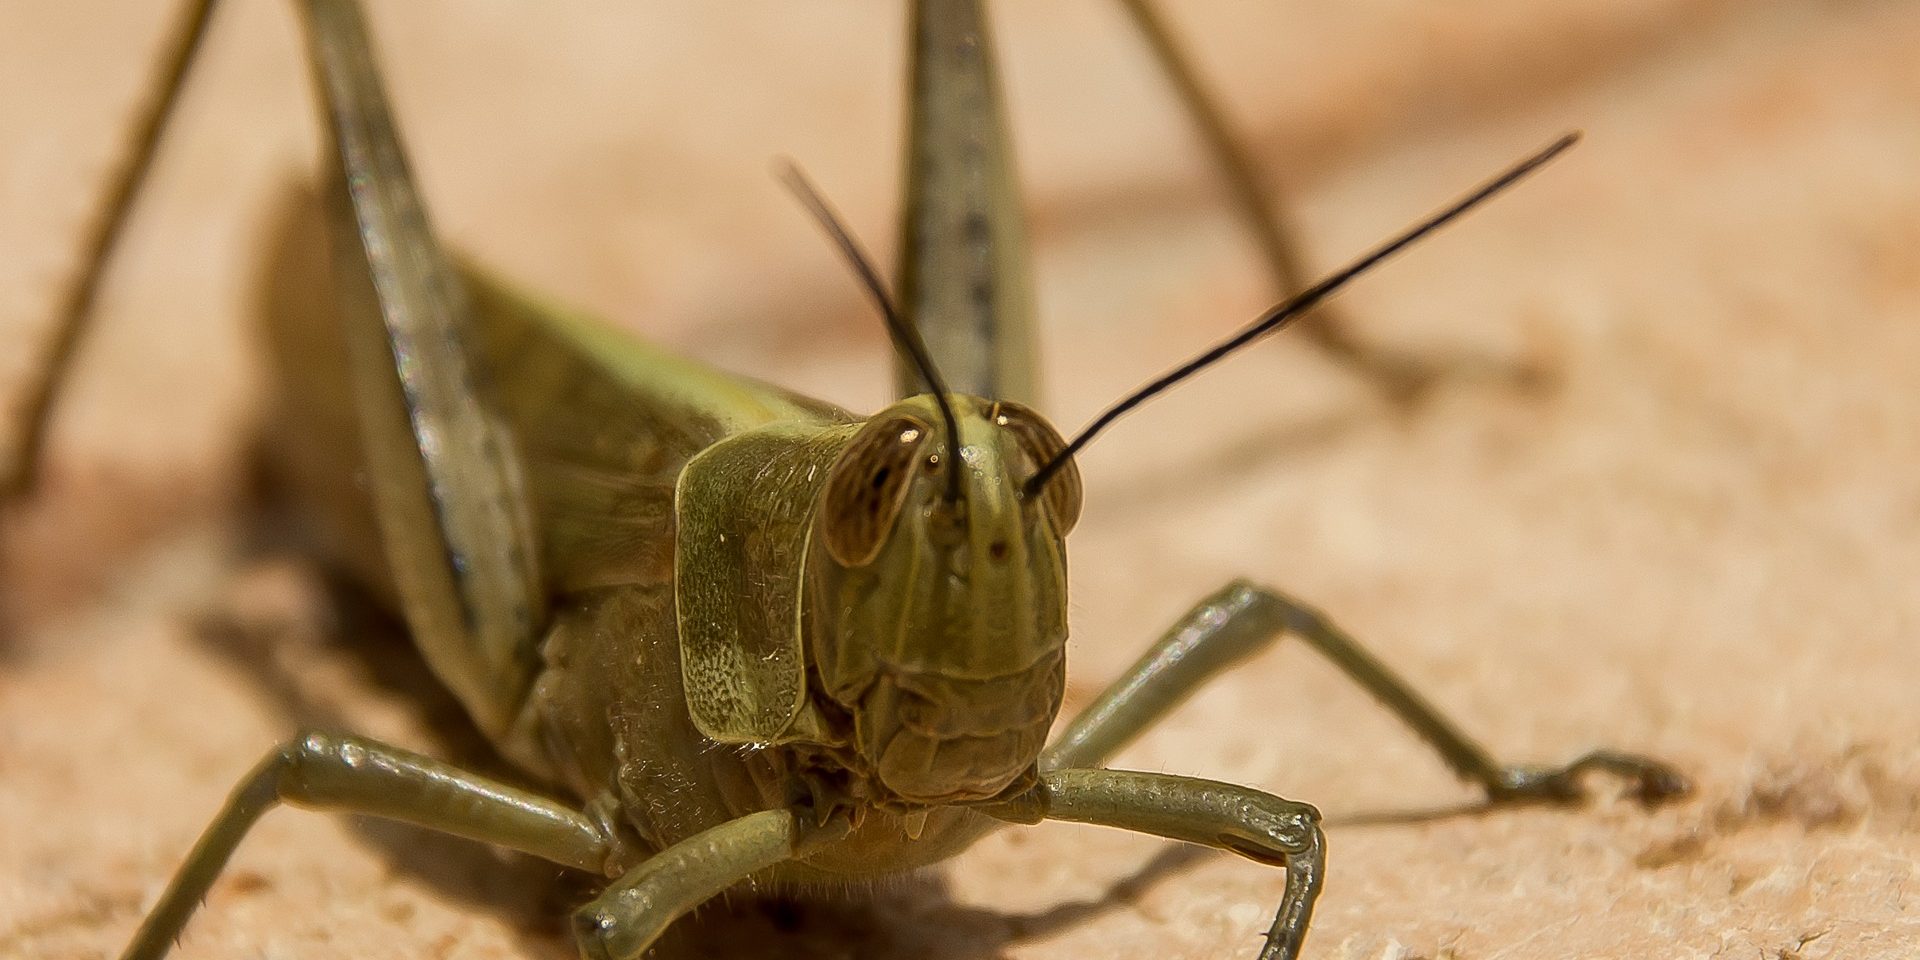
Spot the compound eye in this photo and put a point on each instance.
(868, 487)
(1041, 443)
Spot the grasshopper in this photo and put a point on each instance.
(742, 636)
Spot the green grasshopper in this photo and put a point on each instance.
(749, 637)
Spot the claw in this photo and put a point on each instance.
(1650, 782)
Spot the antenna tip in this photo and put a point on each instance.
(1562, 145)
(785, 170)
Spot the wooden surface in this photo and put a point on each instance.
(1700, 537)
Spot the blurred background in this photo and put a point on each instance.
(1696, 533)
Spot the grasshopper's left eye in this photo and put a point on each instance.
(868, 487)
(1041, 443)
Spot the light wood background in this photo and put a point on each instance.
(1701, 537)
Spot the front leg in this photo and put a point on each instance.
(1255, 825)
(626, 918)
(1243, 619)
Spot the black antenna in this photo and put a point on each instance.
(1280, 315)
(905, 338)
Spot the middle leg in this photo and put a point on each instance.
(1243, 619)
(355, 775)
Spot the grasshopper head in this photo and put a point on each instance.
(938, 602)
(936, 589)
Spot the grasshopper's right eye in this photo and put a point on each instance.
(868, 487)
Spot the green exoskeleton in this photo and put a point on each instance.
(743, 636)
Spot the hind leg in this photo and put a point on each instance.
(1401, 377)
(23, 440)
